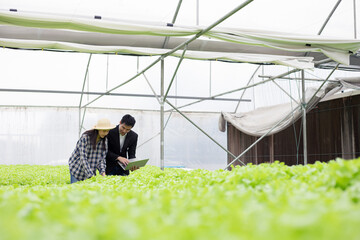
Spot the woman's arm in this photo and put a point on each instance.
(84, 145)
(102, 163)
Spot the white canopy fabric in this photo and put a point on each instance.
(69, 33)
(350, 82)
(262, 120)
(295, 62)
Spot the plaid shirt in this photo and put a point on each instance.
(85, 160)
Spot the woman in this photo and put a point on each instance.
(90, 152)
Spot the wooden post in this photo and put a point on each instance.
(271, 146)
(347, 132)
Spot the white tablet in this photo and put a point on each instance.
(134, 162)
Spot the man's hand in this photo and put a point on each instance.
(123, 160)
(103, 174)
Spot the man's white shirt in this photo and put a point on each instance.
(122, 140)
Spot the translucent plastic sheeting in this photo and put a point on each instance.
(295, 62)
(41, 135)
(29, 30)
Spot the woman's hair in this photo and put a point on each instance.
(93, 133)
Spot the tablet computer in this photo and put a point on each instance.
(134, 162)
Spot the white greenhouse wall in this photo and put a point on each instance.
(48, 135)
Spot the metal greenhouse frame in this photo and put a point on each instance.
(163, 96)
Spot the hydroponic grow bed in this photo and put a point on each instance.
(268, 201)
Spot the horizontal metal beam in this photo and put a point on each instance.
(298, 79)
(248, 86)
(117, 94)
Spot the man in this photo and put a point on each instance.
(122, 143)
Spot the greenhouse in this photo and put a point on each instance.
(220, 92)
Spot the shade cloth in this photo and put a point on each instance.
(260, 121)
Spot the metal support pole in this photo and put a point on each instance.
(355, 20)
(304, 117)
(203, 131)
(210, 78)
(152, 89)
(137, 64)
(304, 106)
(107, 72)
(173, 21)
(299, 79)
(175, 72)
(286, 91)
(197, 12)
(86, 73)
(81, 121)
(176, 11)
(326, 80)
(328, 18)
(259, 139)
(118, 94)
(247, 84)
(162, 117)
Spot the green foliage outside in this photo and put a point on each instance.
(268, 201)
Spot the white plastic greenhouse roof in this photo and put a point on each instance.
(260, 32)
(26, 30)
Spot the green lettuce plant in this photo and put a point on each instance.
(267, 201)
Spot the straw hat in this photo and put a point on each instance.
(104, 124)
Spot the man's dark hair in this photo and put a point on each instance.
(128, 120)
